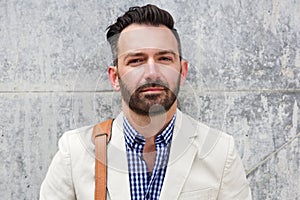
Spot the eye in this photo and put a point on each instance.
(135, 61)
(166, 59)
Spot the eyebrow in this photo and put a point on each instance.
(143, 54)
(166, 52)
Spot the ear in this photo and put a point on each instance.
(113, 77)
(184, 71)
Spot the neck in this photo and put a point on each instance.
(149, 126)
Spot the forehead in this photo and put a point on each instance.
(138, 37)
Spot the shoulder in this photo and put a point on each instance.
(80, 137)
(79, 132)
(209, 140)
(218, 160)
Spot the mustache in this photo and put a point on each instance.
(148, 84)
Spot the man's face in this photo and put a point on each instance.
(149, 68)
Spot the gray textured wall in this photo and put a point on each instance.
(244, 79)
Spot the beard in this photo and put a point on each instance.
(150, 104)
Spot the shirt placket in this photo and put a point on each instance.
(157, 165)
(142, 172)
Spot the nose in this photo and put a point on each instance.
(151, 70)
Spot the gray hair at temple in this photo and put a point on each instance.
(149, 15)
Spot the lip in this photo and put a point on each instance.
(152, 89)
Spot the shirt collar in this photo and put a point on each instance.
(132, 136)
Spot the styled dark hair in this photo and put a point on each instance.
(148, 15)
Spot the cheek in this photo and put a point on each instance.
(171, 75)
(131, 77)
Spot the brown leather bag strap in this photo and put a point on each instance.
(101, 136)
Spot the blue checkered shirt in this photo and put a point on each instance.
(145, 185)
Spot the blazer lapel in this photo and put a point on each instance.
(117, 169)
(182, 155)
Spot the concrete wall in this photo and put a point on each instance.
(244, 79)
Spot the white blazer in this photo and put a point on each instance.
(203, 164)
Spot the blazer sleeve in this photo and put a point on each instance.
(57, 184)
(234, 183)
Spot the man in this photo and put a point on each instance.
(156, 152)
